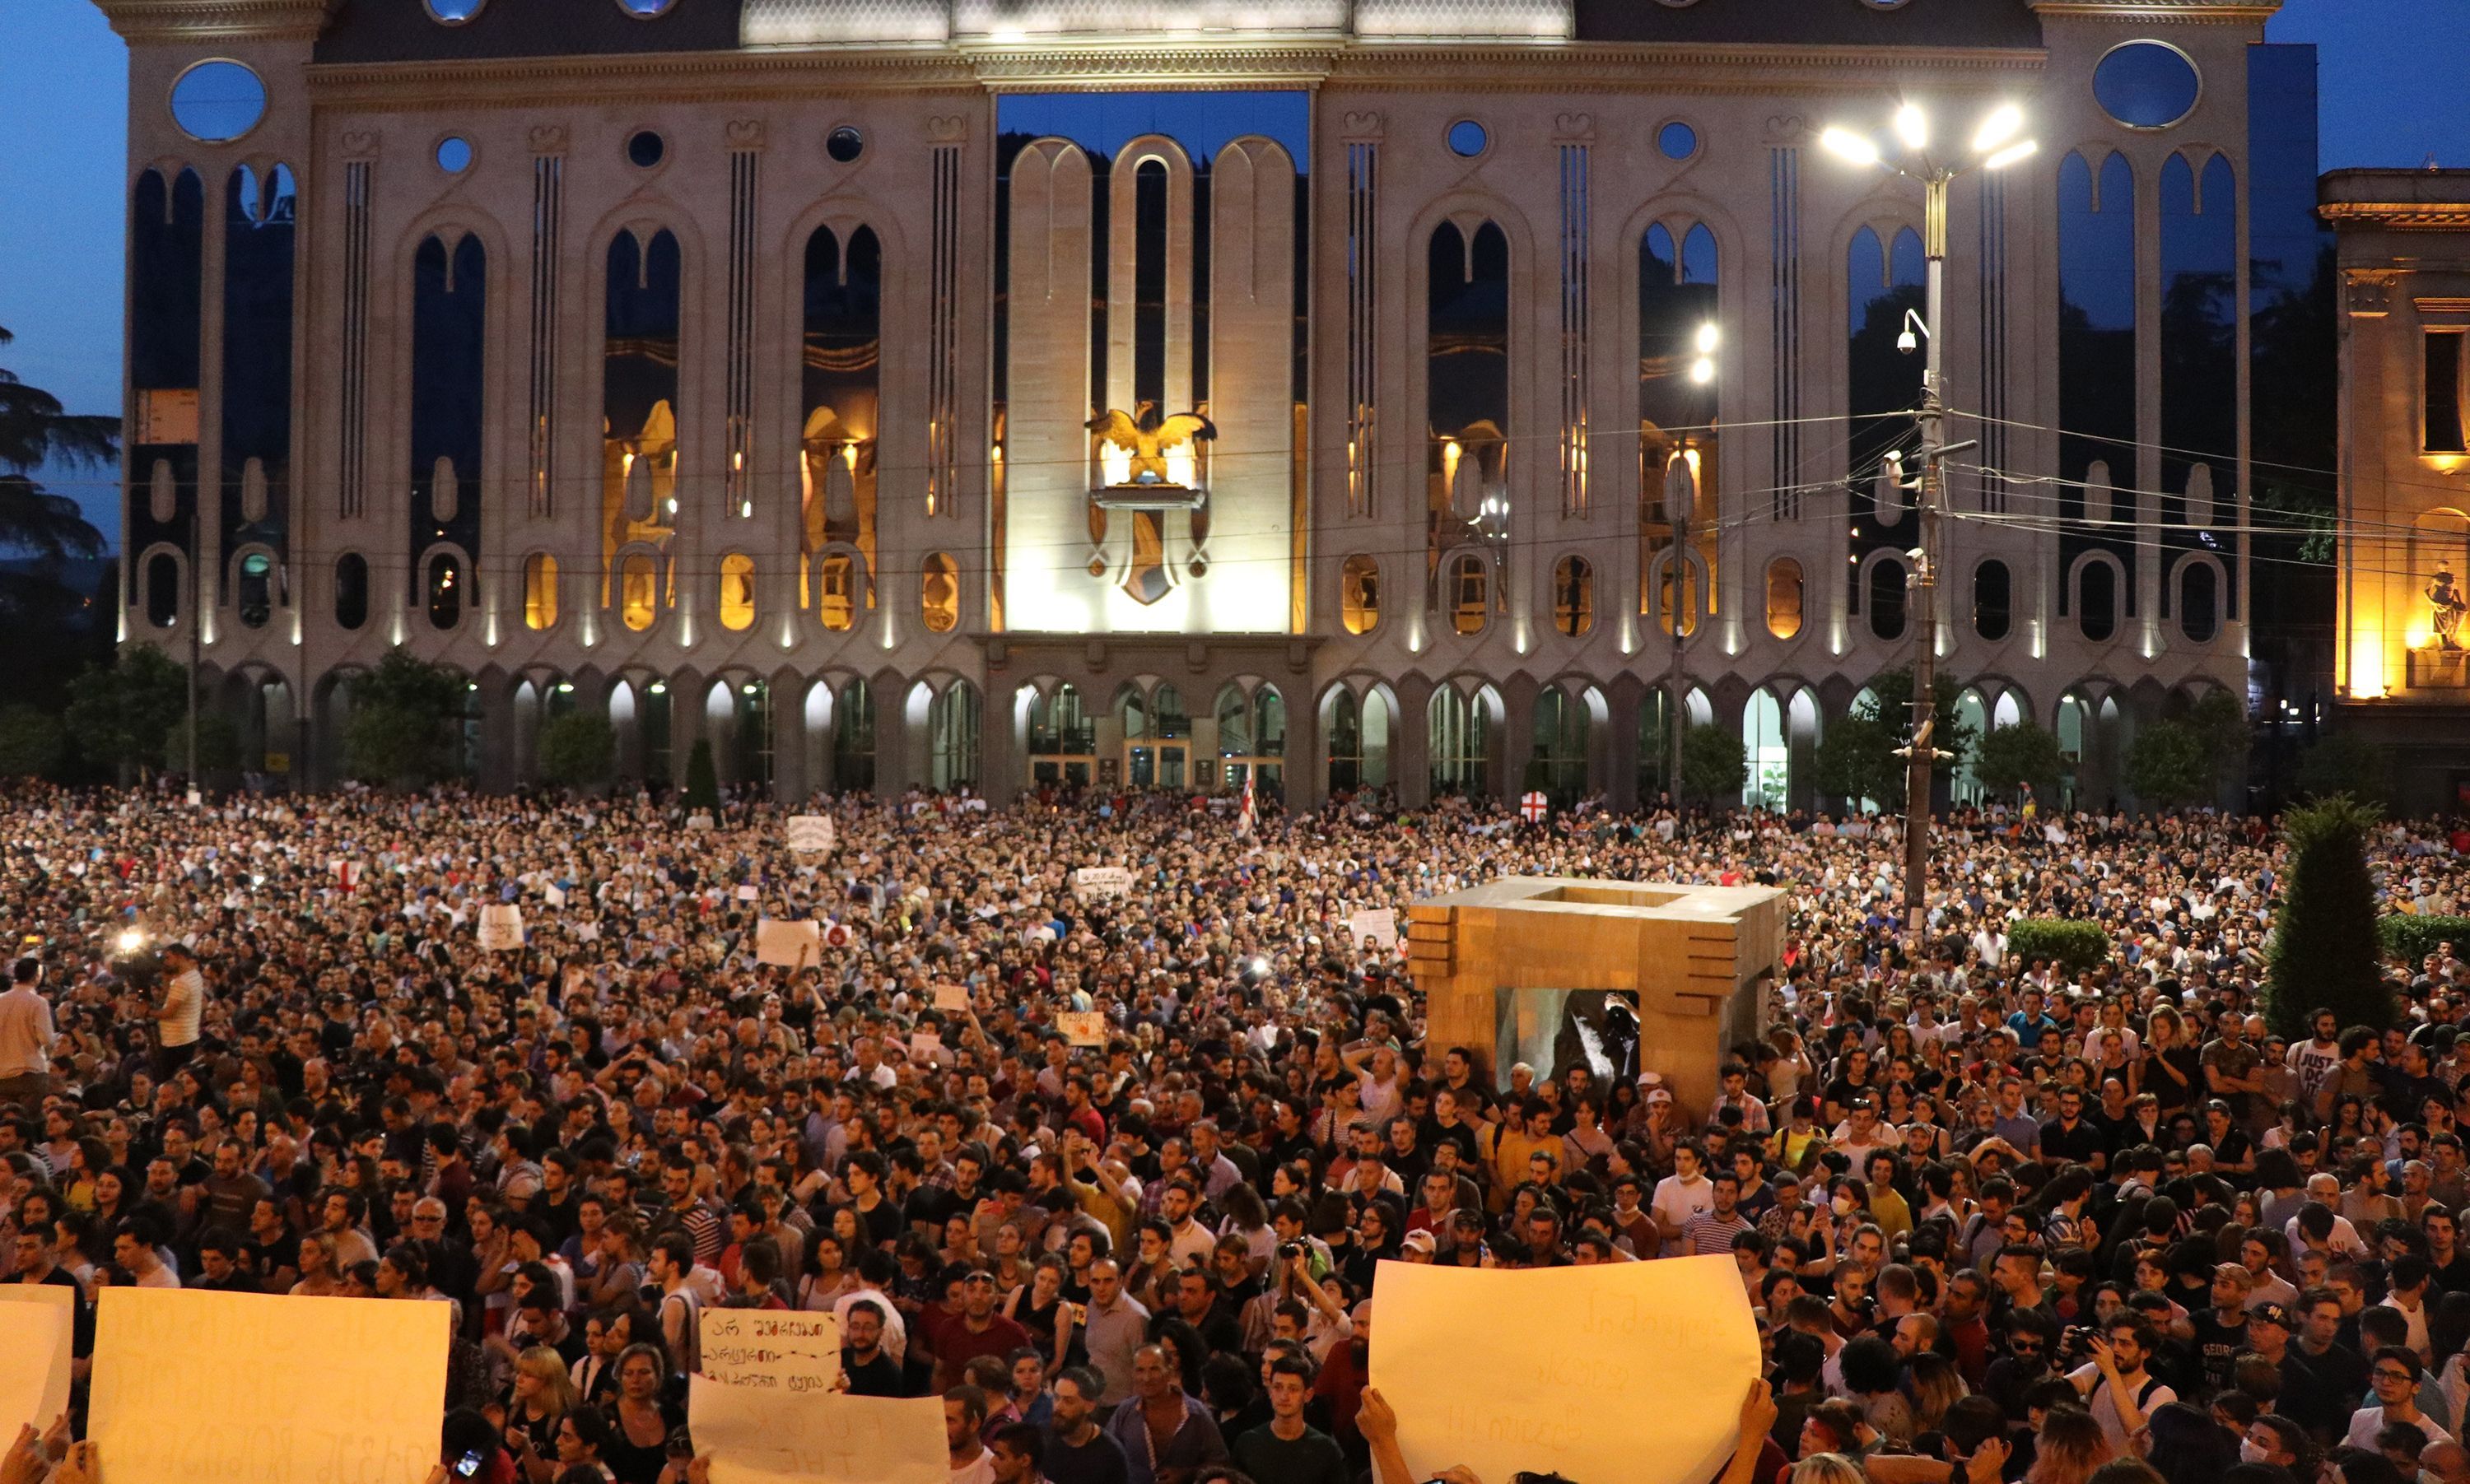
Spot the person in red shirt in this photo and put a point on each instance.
(977, 1330)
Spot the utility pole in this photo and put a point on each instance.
(1680, 503)
(1931, 417)
(196, 627)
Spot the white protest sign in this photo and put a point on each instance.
(811, 834)
(502, 926)
(925, 1045)
(952, 997)
(786, 941)
(748, 893)
(40, 1326)
(336, 1390)
(1081, 1028)
(1102, 882)
(787, 1351)
(1377, 928)
(757, 1435)
(1570, 1349)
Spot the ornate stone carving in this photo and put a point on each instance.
(360, 143)
(2367, 294)
(947, 128)
(1787, 130)
(1361, 127)
(744, 133)
(1573, 128)
(549, 138)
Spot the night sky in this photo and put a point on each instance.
(2390, 80)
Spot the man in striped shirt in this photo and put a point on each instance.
(1711, 1232)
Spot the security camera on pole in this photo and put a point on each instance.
(1995, 146)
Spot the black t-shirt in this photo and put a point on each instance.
(2076, 1145)
(876, 1377)
(2216, 1345)
(1098, 1461)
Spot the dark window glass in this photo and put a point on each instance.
(2200, 603)
(645, 148)
(845, 144)
(2444, 394)
(351, 591)
(2097, 597)
(255, 592)
(445, 590)
(2146, 84)
(162, 590)
(1887, 601)
(1991, 600)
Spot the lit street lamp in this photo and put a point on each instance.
(1681, 474)
(1996, 145)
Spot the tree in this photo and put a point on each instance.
(33, 431)
(218, 744)
(2168, 765)
(1857, 760)
(578, 750)
(2344, 763)
(2219, 722)
(30, 742)
(120, 715)
(702, 783)
(1713, 764)
(398, 731)
(2023, 752)
(2325, 946)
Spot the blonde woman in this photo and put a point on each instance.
(318, 1275)
(2173, 1074)
(542, 1396)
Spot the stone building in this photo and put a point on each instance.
(746, 370)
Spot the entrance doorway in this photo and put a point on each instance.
(1154, 763)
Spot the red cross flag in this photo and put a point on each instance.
(1534, 807)
(1249, 813)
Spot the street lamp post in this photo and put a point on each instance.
(1995, 146)
(1681, 473)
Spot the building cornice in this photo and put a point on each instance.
(2196, 12)
(759, 72)
(2399, 215)
(198, 20)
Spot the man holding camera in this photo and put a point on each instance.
(2114, 1385)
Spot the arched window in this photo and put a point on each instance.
(1470, 594)
(254, 594)
(445, 590)
(837, 602)
(1573, 597)
(1785, 597)
(1887, 599)
(1168, 715)
(1560, 738)
(1234, 724)
(2200, 601)
(1344, 732)
(939, 593)
(854, 737)
(162, 590)
(953, 737)
(540, 591)
(639, 590)
(2097, 600)
(1459, 741)
(1770, 758)
(351, 591)
(1993, 600)
(1268, 722)
(1358, 594)
(736, 591)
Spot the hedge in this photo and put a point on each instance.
(2074, 947)
(2411, 938)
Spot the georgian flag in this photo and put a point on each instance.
(1249, 813)
(1534, 807)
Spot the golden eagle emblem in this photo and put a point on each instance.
(1148, 437)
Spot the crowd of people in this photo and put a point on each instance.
(1994, 1218)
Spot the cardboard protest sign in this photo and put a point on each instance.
(778, 1350)
(952, 997)
(811, 834)
(1100, 883)
(191, 1384)
(502, 926)
(1081, 1028)
(37, 1333)
(1377, 928)
(757, 1435)
(787, 941)
(926, 1047)
(1574, 1351)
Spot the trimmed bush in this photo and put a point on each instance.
(2324, 950)
(2411, 938)
(2073, 946)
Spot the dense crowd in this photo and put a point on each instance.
(1994, 1218)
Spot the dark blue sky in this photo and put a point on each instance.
(2390, 81)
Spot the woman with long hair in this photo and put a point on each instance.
(638, 1441)
(2173, 1072)
(539, 1396)
(2071, 1447)
(319, 1278)
(1040, 1306)
(828, 1276)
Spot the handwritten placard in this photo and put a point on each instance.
(952, 997)
(191, 1384)
(502, 926)
(1570, 1347)
(759, 1435)
(1081, 1028)
(810, 834)
(786, 941)
(787, 1351)
(1102, 883)
(37, 1333)
(1377, 928)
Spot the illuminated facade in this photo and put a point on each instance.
(2402, 669)
(750, 370)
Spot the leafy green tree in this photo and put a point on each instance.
(402, 718)
(1952, 735)
(2023, 752)
(1857, 760)
(34, 430)
(578, 750)
(2344, 763)
(217, 743)
(2168, 765)
(703, 783)
(2325, 942)
(30, 742)
(2219, 721)
(1715, 765)
(121, 715)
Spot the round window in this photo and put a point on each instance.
(2147, 84)
(1677, 140)
(646, 9)
(455, 154)
(845, 144)
(454, 12)
(215, 102)
(1468, 139)
(645, 148)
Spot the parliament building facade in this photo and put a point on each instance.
(1329, 392)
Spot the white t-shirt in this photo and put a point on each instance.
(1675, 1203)
(2105, 1406)
(2368, 1421)
(183, 1003)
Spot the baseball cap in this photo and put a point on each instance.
(2272, 1314)
(1659, 1094)
(1419, 1240)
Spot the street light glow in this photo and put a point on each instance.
(1708, 337)
(1848, 145)
(2010, 154)
(1912, 126)
(1702, 371)
(1999, 127)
